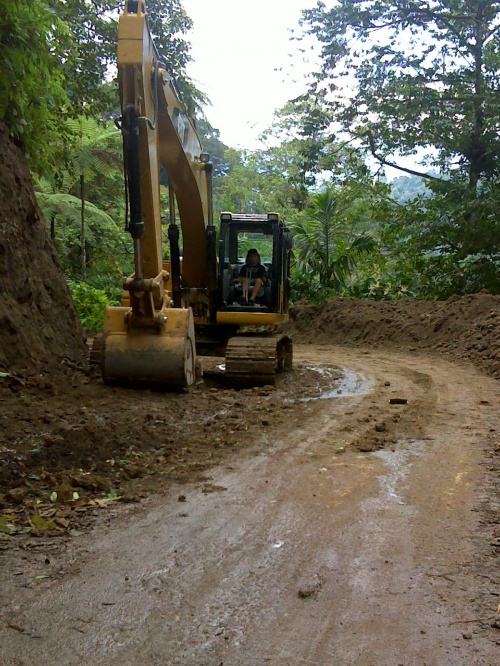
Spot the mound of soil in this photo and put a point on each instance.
(38, 320)
(465, 327)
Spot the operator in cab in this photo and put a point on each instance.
(252, 275)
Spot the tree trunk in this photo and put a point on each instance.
(82, 233)
(477, 149)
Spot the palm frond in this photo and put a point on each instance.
(68, 207)
(324, 245)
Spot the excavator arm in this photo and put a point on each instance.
(167, 137)
(151, 340)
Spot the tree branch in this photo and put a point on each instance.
(445, 20)
(385, 162)
(490, 152)
(490, 33)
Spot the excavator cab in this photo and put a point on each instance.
(267, 234)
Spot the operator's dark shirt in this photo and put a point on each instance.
(253, 272)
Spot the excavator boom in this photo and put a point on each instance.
(148, 339)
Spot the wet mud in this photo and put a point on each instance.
(345, 530)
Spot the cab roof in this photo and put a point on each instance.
(250, 217)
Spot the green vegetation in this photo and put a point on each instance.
(422, 80)
(328, 246)
(426, 79)
(32, 85)
(57, 105)
(90, 304)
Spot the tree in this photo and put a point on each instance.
(426, 76)
(221, 156)
(89, 234)
(327, 243)
(169, 24)
(262, 181)
(423, 76)
(448, 243)
(296, 159)
(407, 188)
(32, 86)
(92, 27)
(90, 161)
(55, 60)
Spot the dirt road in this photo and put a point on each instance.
(346, 533)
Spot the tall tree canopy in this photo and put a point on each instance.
(33, 40)
(410, 74)
(92, 31)
(408, 77)
(55, 60)
(169, 24)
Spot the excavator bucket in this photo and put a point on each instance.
(136, 355)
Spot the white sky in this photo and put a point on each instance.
(246, 64)
(237, 48)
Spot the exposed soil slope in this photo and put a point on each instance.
(465, 327)
(38, 321)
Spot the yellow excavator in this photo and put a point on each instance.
(171, 309)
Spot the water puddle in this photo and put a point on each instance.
(350, 384)
(345, 385)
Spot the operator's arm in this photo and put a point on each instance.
(242, 275)
(262, 274)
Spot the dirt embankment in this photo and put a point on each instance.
(38, 321)
(465, 327)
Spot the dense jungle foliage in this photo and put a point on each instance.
(398, 83)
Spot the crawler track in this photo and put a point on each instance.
(252, 359)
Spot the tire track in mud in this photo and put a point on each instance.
(317, 551)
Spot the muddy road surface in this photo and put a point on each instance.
(348, 531)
